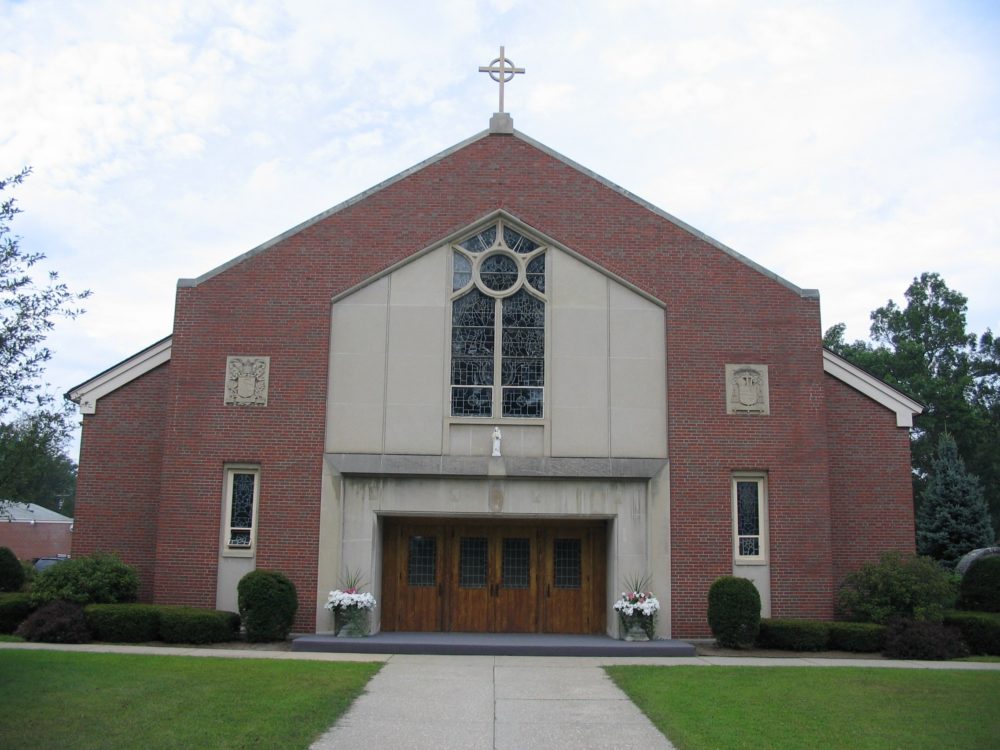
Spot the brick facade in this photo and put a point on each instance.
(171, 430)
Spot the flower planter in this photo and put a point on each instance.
(350, 623)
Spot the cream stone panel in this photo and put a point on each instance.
(356, 388)
(637, 393)
(477, 440)
(231, 570)
(577, 401)
(761, 577)
(421, 283)
(413, 428)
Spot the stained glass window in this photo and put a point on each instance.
(516, 562)
(472, 562)
(498, 272)
(513, 318)
(748, 512)
(518, 242)
(462, 273)
(566, 559)
(241, 486)
(421, 569)
(482, 241)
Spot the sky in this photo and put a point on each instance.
(845, 146)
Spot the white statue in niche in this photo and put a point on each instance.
(497, 437)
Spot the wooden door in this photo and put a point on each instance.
(469, 600)
(515, 575)
(568, 578)
(417, 570)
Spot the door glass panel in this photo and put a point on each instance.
(566, 561)
(516, 563)
(472, 562)
(422, 562)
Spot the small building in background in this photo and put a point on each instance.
(32, 531)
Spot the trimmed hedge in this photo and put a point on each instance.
(14, 609)
(980, 630)
(980, 587)
(861, 637)
(11, 571)
(923, 639)
(190, 625)
(268, 603)
(897, 586)
(124, 623)
(734, 611)
(794, 635)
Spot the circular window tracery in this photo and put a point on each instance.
(498, 272)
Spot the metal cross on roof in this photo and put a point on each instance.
(501, 70)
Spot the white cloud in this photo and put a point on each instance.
(845, 146)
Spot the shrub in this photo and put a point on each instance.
(14, 608)
(734, 611)
(923, 639)
(980, 587)
(793, 635)
(897, 587)
(862, 637)
(268, 603)
(11, 571)
(56, 622)
(97, 579)
(191, 625)
(123, 623)
(980, 630)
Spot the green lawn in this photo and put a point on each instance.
(52, 699)
(801, 707)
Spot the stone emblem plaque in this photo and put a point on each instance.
(246, 380)
(747, 389)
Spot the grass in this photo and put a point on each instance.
(81, 700)
(798, 707)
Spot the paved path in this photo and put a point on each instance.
(487, 702)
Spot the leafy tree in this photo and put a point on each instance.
(925, 350)
(953, 517)
(33, 467)
(34, 426)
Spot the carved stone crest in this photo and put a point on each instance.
(246, 380)
(747, 389)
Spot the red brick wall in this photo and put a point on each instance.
(118, 483)
(718, 311)
(870, 486)
(31, 540)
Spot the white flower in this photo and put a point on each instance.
(637, 603)
(349, 599)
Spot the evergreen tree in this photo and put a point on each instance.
(953, 518)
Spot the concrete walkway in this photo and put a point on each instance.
(487, 702)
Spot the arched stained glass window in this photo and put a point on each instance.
(498, 326)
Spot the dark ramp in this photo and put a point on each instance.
(491, 644)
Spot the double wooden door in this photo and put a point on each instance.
(506, 577)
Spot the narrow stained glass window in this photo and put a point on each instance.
(241, 513)
(462, 271)
(472, 562)
(536, 273)
(748, 518)
(566, 560)
(523, 355)
(516, 562)
(421, 569)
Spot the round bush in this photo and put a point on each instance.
(11, 571)
(897, 587)
(14, 609)
(980, 588)
(268, 603)
(734, 611)
(56, 622)
(96, 579)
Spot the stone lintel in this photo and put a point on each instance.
(386, 464)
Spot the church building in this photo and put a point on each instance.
(497, 386)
